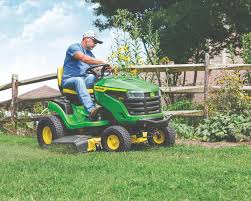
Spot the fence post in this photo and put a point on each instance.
(206, 84)
(158, 77)
(14, 85)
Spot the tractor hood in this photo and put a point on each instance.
(127, 83)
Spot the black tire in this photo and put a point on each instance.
(121, 137)
(167, 137)
(51, 125)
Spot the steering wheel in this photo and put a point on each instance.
(90, 70)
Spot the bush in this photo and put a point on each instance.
(184, 126)
(246, 48)
(2, 113)
(180, 105)
(185, 105)
(128, 48)
(183, 130)
(230, 98)
(229, 127)
(245, 54)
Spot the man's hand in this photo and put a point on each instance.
(106, 68)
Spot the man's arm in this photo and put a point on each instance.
(87, 59)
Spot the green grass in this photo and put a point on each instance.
(179, 173)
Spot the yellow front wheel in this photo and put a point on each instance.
(115, 138)
(164, 136)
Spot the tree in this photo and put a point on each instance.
(187, 28)
(246, 48)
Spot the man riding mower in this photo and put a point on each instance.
(131, 113)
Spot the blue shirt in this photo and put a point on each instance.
(74, 67)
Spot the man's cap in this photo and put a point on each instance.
(93, 35)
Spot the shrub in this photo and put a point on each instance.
(246, 47)
(229, 98)
(246, 54)
(229, 127)
(2, 113)
(185, 105)
(181, 105)
(184, 126)
(129, 48)
(183, 130)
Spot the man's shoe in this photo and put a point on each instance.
(93, 113)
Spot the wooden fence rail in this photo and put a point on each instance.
(195, 89)
(170, 68)
(206, 67)
(30, 81)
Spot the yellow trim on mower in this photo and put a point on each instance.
(70, 91)
(60, 75)
(103, 89)
(136, 140)
(92, 144)
(67, 91)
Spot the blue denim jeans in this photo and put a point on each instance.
(81, 84)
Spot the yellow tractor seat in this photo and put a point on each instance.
(64, 90)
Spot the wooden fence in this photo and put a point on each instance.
(173, 68)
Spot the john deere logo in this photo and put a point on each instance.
(98, 88)
(152, 94)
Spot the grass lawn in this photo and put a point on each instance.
(179, 173)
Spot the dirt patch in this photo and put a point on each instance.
(212, 144)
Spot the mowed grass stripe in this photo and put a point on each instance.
(179, 173)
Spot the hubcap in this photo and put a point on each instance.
(47, 135)
(113, 142)
(159, 138)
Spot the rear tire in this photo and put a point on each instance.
(115, 139)
(49, 129)
(164, 136)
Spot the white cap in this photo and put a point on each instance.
(92, 34)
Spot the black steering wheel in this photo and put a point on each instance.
(90, 70)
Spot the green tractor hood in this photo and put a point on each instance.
(127, 84)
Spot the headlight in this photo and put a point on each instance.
(135, 94)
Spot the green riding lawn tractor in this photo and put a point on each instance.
(130, 113)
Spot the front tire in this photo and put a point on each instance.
(115, 139)
(164, 136)
(49, 129)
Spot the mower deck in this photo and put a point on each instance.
(82, 143)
